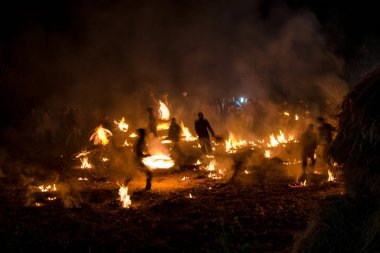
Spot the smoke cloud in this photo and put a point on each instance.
(110, 56)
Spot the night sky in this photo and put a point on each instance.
(93, 53)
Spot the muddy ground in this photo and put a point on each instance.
(186, 211)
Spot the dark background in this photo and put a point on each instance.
(62, 53)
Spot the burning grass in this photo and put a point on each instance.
(186, 211)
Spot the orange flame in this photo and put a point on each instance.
(121, 124)
(186, 133)
(125, 199)
(100, 136)
(158, 162)
(163, 111)
(85, 163)
(232, 144)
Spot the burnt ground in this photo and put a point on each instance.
(184, 212)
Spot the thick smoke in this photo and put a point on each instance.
(110, 56)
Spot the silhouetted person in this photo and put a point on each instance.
(140, 151)
(152, 121)
(325, 133)
(308, 142)
(174, 134)
(202, 128)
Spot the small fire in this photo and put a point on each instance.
(331, 176)
(198, 162)
(211, 166)
(296, 117)
(85, 163)
(164, 112)
(83, 153)
(121, 124)
(232, 144)
(280, 138)
(100, 136)
(303, 183)
(83, 179)
(163, 126)
(47, 188)
(286, 114)
(125, 199)
(267, 154)
(133, 135)
(158, 162)
(185, 178)
(186, 133)
(190, 196)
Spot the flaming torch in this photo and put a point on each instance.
(163, 111)
(100, 136)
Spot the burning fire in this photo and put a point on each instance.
(163, 126)
(47, 188)
(267, 154)
(232, 144)
(100, 136)
(121, 124)
(331, 176)
(186, 133)
(158, 162)
(215, 174)
(163, 111)
(125, 199)
(280, 138)
(133, 135)
(85, 163)
(83, 153)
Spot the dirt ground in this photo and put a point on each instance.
(186, 211)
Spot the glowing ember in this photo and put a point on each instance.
(163, 111)
(185, 178)
(186, 133)
(51, 198)
(125, 199)
(121, 125)
(83, 153)
(85, 163)
(133, 135)
(296, 117)
(286, 114)
(83, 179)
(47, 188)
(126, 143)
(331, 176)
(198, 162)
(158, 162)
(105, 159)
(232, 144)
(100, 136)
(246, 172)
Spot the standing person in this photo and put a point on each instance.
(325, 133)
(308, 142)
(140, 151)
(174, 132)
(202, 127)
(152, 121)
